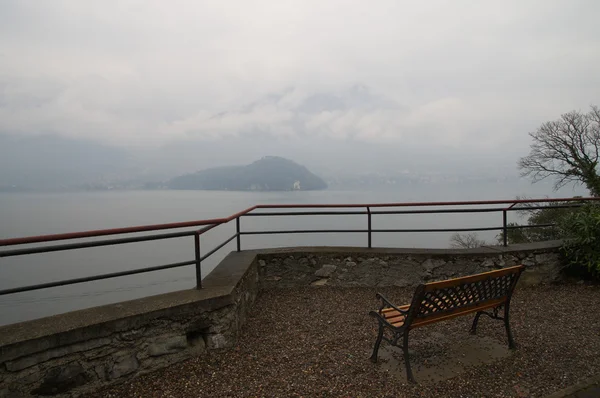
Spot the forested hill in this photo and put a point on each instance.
(271, 173)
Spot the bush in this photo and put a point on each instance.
(580, 231)
(550, 214)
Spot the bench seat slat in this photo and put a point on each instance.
(395, 319)
(404, 308)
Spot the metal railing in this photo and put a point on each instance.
(370, 210)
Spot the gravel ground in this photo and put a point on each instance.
(315, 342)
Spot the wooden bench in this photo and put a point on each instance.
(439, 301)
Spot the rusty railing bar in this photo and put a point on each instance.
(211, 223)
(82, 245)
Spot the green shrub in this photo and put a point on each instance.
(580, 231)
(550, 214)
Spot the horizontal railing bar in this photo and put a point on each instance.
(94, 278)
(213, 251)
(304, 213)
(439, 230)
(530, 226)
(544, 207)
(82, 245)
(436, 211)
(305, 231)
(422, 204)
(207, 228)
(328, 213)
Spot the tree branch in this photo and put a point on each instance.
(568, 148)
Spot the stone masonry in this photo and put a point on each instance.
(402, 268)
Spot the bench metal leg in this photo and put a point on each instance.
(377, 343)
(511, 341)
(409, 374)
(474, 326)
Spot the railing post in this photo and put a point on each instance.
(238, 236)
(198, 260)
(369, 225)
(504, 228)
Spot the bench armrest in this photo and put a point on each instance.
(385, 303)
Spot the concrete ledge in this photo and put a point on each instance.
(525, 247)
(151, 307)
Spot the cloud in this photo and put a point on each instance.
(143, 73)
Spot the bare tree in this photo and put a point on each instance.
(568, 149)
(465, 241)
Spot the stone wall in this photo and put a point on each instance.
(352, 267)
(71, 354)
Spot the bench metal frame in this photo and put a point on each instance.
(443, 300)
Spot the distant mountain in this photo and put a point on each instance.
(271, 173)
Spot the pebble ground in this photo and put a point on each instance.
(315, 342)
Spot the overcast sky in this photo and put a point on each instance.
(465, 74)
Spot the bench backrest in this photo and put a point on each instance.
(446, 299)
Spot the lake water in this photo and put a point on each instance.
(39, 214)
